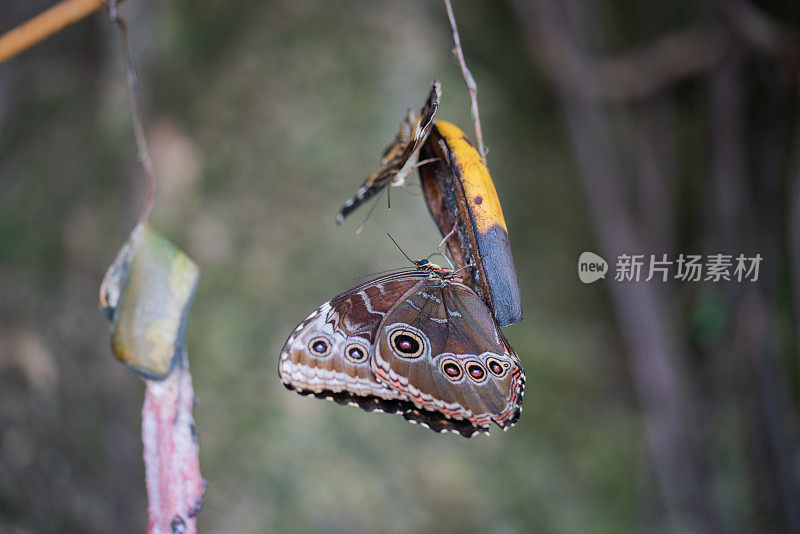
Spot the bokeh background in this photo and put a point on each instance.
(624, 126)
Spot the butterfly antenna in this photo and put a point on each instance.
(400, 249)
(369, 213)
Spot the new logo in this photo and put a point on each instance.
(591, 267)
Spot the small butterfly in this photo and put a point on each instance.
(418, 343)
(400, 157)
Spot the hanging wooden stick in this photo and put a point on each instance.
(44, 25)
(146, 294)
(472, 87)
(172, 468)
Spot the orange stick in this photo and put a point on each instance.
(44, 25)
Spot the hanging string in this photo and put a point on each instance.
(472, 87)
(136, 109)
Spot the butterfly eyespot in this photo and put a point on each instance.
(406, 344)
(496, 367)
(355, 353)
(451, 369)
(319, 346)
(476, 371)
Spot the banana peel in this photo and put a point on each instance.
(460, 194)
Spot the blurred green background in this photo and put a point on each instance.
(262, 118)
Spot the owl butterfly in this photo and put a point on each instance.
(400, 157)
(418, 343)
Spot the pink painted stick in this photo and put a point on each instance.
(172, 467)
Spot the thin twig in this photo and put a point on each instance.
(136, 108)
(44, 25)
(472, 88)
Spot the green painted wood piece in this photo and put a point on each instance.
(146, 294)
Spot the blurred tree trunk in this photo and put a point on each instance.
(694, 379)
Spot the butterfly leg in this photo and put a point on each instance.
(425, 162)
(453, 231)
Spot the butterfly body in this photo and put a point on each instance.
(419, 343)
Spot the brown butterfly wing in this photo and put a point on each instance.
(399, 157)
(441, 348)
(438, 423)
(406, 160)
(328, 354)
